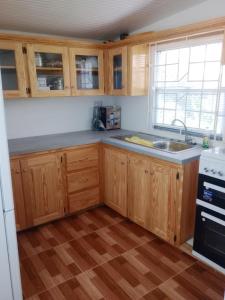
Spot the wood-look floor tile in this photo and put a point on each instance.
(159, 258)
(50, 235)
(196, 282)
(46, 269)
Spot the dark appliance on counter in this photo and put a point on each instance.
(106, 118)
(209, 237)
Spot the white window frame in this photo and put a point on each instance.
(173, 131)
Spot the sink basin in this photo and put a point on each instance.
(172, 146)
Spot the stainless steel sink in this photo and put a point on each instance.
(172, 146)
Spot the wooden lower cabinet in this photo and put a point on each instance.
(19, 205)
(115, 179)
(82, 177)
(160, 195)
(43, 188)
(161, 208)
(139, 189)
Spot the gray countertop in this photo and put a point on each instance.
(63, 140)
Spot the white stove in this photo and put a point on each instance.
(209, 237)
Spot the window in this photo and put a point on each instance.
(188, 83)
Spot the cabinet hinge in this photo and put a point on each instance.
(28, 90)
(24, 50)
(178, 176)
(175, 238)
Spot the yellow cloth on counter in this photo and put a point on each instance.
(139, 141)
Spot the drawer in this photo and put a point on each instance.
(84, 199)
(82, 180)
(82, 158)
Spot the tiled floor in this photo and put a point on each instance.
(100, 255)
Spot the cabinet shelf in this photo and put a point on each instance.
(8, 67)
(87, 69)
(49, 69)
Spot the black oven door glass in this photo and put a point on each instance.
(209, 238)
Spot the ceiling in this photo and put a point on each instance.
(92, 19)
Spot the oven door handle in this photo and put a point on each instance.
(212, 218)
(214, 187)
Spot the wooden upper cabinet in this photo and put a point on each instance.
(49, 70)
(117, 68)
(86, 72)
(43, 188)
(139, 189)
(12, 69)
(161, 220)
(115, 180)
(138, 70)
(18, 197)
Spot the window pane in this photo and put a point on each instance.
(193, 102)
(209, 103)
(160, 101)
(170, 101)
(197, 53)
(213, 51)
(196, 71)
(192, 119)
(160, 73)
(161, 58)
(159, 116)
(169, 116)
(222, 104)
(172, 56)
(212, 71)
(171, 72)
(207, 121)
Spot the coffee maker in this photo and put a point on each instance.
(106, 118)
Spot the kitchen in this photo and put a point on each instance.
(114, 135)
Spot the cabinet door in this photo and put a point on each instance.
(18, 197)
(12, 69)
(86, 70)
(118, 71)
(139, 189)
(43, 188)
(138, 70)
(48, 70)
(115, 180)
(162, 204)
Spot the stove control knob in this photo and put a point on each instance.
(220, 173)
(213, 171)
(206, 170)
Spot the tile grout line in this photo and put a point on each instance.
(73, 239)
(82, 272)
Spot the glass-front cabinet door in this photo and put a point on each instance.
(48, 70)
(87, 75)
(118, 71)
(12, 69)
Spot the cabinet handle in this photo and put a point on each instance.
(146, 171)
(152, 173)
(122, 163)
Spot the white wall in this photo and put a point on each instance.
(206, 10)
(33, 117)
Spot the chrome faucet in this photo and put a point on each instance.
(187, 139)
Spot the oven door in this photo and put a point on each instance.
(211, 190)
(209, 239)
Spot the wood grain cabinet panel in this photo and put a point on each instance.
(162, 204)
(82, 158)
(117, 67)
(139, 189)
(81, 180)
(115, 180)
(43, 188)
(19, 205)
(86, 72)
(83, 199)
(138, 70)
(12, 67)
(48, 70)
